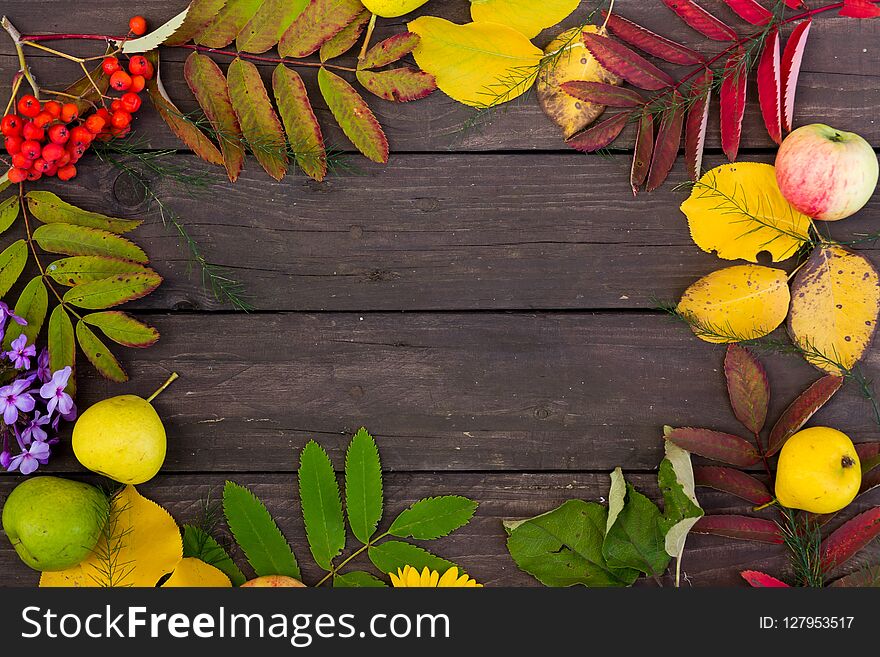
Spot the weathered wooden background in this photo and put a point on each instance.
(483, 304)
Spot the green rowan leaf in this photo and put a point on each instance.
(228, 22)
(8, 212)
(113, 291)
(390, 556)
(433, 517)
(76, 270)
(200, 544)
(321, 505)
(354, 116)
(74, 240)
(32, 304)
(123, 329)
(390, 50)
(198, 17)
(300, 123)
(357, 579)
(363, 486)
(62, 344)
(319, 22)
(345, 38)
(98, 354)
(12, 262)
(272, 19)
(398, 85)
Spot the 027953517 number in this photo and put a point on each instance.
(818, 622)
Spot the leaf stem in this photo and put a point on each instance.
(370, 27)
(171, 379)
(17, 39)
(354, 554)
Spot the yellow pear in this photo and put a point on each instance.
(122, 438)
(392, 8)
(818, 471)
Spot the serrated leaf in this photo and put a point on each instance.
(667, 145)
(363, 486)
(319, 22)
(85, 90)
(357, 579)
(751, 11)
(743, 528)
(32, 304)
(399, 85)
(389, 556)
(206, 81)
(525, 16)
(681, 510)
(354, 116)
(747, 387)
(599, 135)
(345, 39)
(697, 122)
(733, 103)
(433, 517)
(303, 130)
(267, 26)
(49, 209)
(626, 63)
(715, 445)
(8, 212)
(651, 43)
(635, 539)
(603, 94)
(85, 269)
(98, 354)
(792, 58)
(62, 344)
(260, 126)
(642, 152)
(701, 20)
(197, 543)
(844, 542)
(123, 329)
(256, 533)
(228, 22)
(73, 240)
(869, 453)
(12, 262)
(155, 38)
(113, 291)
(321, 506)
(770, 86)
(389, 51)
(198, 16)
(564, 547)
(735, 482)
(761, 580)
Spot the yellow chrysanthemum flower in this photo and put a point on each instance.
(409, 577)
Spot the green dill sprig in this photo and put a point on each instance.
(112, 571)
(802, 536)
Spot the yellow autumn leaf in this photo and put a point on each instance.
(738, 303)
(737, 211)
(526, 16)
(478, 64)
(193, 573)
(140, 545)
(834, 307)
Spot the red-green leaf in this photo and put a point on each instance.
(697, 122)
(267, 26)
(354, 116)
(12, 262)
(48, 208)
(751, 11)
(319, 22)
(716, 445)
(599, 135)
(390, 50)
(761, 580)
(626, 63)
(61, 343)
(32, 304)
(602, 94)
(81, 240)
(198, 18)
(849, 538)
(113, 291)
(123, 329)
(345, 38)
(260, 126)
(869, 456)
(802, 409)
(735, 482)
(399, 85)
(792, 59)
(747, 386)
(743, 528)
(668, 142)
(733, 103)
(303, 131)
(207, 83)
(651, 43)
(98, 354)
(701, 20)
(228, 22)
(860, 9)
(85, 269)
(644, 148)
(770, 87)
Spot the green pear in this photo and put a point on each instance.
(54, 523)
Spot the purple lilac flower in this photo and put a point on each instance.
(53, 391)
(5, 455)
(31, 458)
(20, 353)
(6, 313)
(15, 397)
(44, 373)
(33, 430)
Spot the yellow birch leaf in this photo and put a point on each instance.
(478, 64)
(737, 303)
(140, 545)
(737, 211)
(834, 307)
(526, 16)
(195, 573)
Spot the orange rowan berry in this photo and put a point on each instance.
(69, 112)
(137, 25)
(120, 81)
(28, 106)
(17, 175)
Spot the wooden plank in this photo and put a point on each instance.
(426, 232)
(472, 392)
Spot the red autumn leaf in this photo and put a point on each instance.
(642, 152)
(716, 445)
(794, 4)
(849, 538)
(697, 121)
(668, 141)
(399, 85)
(626, 63)
(751, 11)
(735, 482)
(602, 94)
(802, 409)
(701, 20)
(770, 87)
(863, 578)
(869, 453)
(792, 59)
(747, 387)
(733, 103)
(599, 135)
(860, 9)
(761, 580)
(651, 43)
(743, 528)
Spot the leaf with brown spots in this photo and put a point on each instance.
(113, 291)
(98, 354)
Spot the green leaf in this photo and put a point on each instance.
(354, 116)
(398, 85)
(680, 507)
(50, 209)
(206, 81)
(228, 22)
(113, 291)
(321, 506)
(319, 22)
(8, 212)
(357, 579)
(390, 50)
(363, 486)
(635, 539)
(345, 38)
(265, 547)
(391, 556)
(12, 262)
(300, 123)
(261, 128)
(123, 329)
(83, 241)
(98, 354)
(564, 547)
(433, 517)
(272, 19)
(76, 270)
(62, 344)
(201, 545)
(32, 304)
(198, 17)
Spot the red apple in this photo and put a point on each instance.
(272, 581)
(825, 173)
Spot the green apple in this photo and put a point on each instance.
(54, 523)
